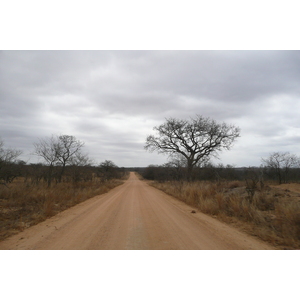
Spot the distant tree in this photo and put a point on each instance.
(80, 167)
(280, 164)
(80, 159)
(195, 140)
(48, 149)
(58, 150)
(108, 169)
(176, 165)
(8, 160)
(8, 155)
(150, 172)
(68, 150)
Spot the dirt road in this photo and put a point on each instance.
(132, 216)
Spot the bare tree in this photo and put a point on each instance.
(79, 164)
(68, 148)
(58, 150)
(280, 164)
(48, 149)
(195, 140)
(81, 160)
(108, 170)
(8, 157)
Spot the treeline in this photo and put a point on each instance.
(169, 172)
(35, 173)
(63, 161)
(191, 143)
(220, 172)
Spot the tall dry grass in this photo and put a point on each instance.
(275, 220)
(23, 205)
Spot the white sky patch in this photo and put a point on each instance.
(280, 104)
(249, 146)
(293, 132)
(54, 124)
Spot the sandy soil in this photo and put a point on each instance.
(132, 216)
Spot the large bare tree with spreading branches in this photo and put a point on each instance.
(195, 139)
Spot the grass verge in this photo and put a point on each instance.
(22, 205)
(266, 213)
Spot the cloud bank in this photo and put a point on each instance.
(111, 100)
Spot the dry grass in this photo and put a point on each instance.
(271, 215)
(22, 205)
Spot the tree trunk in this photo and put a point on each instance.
(50, 175)
(189, 170)
(62, 172)
(279, 176)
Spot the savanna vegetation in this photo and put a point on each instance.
(264, 201)
(249, 198)
(30, 193)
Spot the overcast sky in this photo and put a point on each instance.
(111, 100)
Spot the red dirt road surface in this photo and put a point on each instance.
(132, 216)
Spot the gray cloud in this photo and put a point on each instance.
(112, 99)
